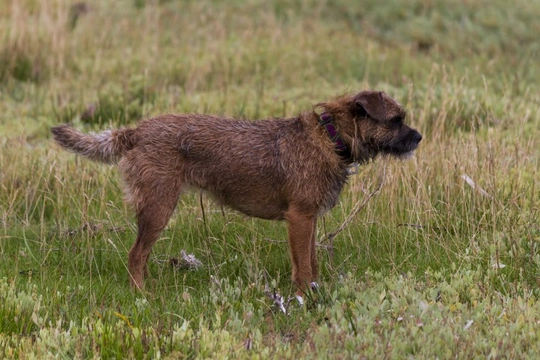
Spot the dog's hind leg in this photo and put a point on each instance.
(152, 187)
(154, 194)
(152, 217)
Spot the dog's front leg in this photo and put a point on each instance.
(301, 227)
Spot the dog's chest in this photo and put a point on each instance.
(331, 196)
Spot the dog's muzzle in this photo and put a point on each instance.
(405, 146)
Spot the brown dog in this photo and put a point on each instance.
(277, 169)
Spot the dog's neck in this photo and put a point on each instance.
(342, 149)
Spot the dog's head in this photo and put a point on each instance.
(372, 123)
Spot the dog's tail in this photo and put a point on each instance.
(108, 146)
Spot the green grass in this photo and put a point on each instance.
(415, 275)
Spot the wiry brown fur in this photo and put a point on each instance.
(278, 169)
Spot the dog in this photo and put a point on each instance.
(290, 169)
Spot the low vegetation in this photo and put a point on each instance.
(443, 262)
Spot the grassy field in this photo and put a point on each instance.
(443, 263)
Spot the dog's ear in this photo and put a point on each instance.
(370, 103)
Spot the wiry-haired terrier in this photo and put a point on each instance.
(278, 169)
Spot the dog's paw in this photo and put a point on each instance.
(300, 299)
(314, 286)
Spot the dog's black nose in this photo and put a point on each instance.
(416, 136)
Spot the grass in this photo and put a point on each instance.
(433, 266)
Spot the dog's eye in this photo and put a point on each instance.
(396, 120)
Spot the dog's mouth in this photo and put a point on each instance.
(400, 149)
